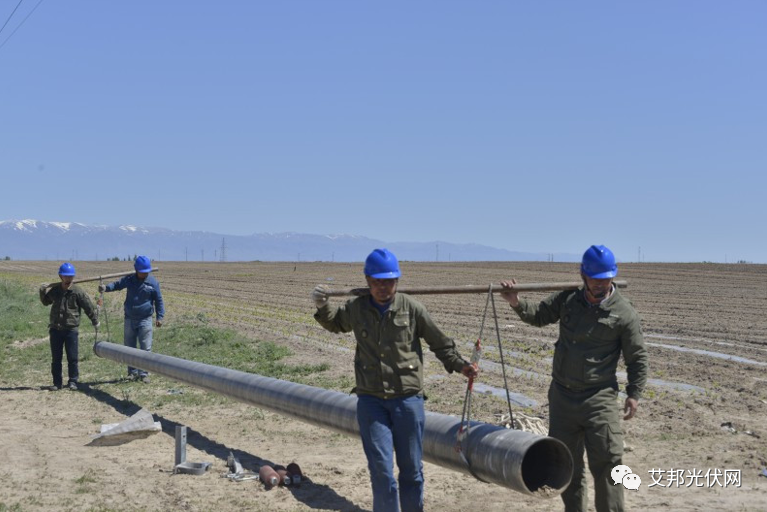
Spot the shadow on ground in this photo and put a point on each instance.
(307, 493)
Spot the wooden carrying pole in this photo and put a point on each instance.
(447, 290)
(100, 278)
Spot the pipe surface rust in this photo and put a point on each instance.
(471, 288)
(533, 465)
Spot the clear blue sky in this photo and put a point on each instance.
(531, 126)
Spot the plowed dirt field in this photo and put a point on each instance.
(705, 409)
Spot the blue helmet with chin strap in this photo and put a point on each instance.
(599, 263)
(382, 264)
(142, 264)
(66, 269)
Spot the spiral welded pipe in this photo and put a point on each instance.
(521, 461)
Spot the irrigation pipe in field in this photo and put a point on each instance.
(446, 290)
(524, 462)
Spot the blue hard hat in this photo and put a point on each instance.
(66, 269)
(142, 264)
(599, 263)
(382, 264)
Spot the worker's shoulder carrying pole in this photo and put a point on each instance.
(449, 290)
(100, 278)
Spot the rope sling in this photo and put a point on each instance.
(99, 305)
(520, 422)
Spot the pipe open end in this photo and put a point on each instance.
(547, 468)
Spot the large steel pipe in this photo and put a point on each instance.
(527, 463)
(470, 288)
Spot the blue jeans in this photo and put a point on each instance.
(138, 333)
(393, 425)
(61, 340)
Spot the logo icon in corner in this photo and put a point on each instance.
(622, 475)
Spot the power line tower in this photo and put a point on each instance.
(223, 250)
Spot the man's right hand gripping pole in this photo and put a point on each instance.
(319, 296)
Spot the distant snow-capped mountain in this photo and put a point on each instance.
(38, 240)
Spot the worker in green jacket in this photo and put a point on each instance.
(388, 366)
(596, 325)
(66, 300)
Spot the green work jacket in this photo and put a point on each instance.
(66, 306)
(591, 340)
(388, 361)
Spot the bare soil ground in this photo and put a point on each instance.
(704, 411)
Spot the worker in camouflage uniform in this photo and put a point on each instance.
(596, 325)
(66, 300)
(388, 366)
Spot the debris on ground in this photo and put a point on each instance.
(236, 471)
(138, 426)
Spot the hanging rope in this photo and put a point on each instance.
(463, 430)
(99, 305)
(521, 421)
(476, 355)
(500, 352)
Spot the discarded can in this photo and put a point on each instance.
(295, 473)
(285, 478)
(267, 475)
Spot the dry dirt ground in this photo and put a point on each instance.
(704, 411)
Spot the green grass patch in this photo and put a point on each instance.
(195, 340)
(24, 320)
(22, 315)
(192, 338)
(89, 477)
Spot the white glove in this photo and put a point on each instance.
(319, 296)
(96, 325)
(102, 288)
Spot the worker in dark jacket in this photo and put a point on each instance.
(142, 300)
(596, 325)
(66, 300)
(388, 367)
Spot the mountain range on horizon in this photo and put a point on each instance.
(40, 240)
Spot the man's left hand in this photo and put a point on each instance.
(158, 323)
(630, 408)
